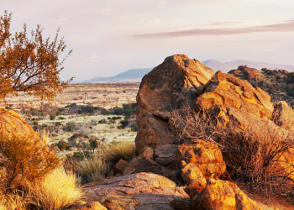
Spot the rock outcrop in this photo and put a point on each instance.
(233, 105)
(164, 89)
(219, 195)
(142, 191)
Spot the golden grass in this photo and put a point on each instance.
(58, 189)
(125, 150)
(11, 201)
(99, 166)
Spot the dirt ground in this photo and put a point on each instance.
(106, 95)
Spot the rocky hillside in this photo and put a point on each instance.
(205, 140)
(278, 83)
(213, 135)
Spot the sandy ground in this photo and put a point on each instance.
(106, 95)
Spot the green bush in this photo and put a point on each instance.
(52, 117)
(70, 126)
(62, 145)
(123, 124)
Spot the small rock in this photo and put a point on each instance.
(166, 154)
(147, 153)
(120, 166)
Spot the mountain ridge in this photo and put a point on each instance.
(136, 75)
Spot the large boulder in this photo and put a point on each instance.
(11, 122)
(142, 191)
(167, 87)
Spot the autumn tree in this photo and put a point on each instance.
(30, 62)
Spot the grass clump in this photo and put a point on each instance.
(99, 165)
(58, 189)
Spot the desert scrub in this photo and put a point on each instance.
(98, 167)
(58, 189)
(70, 126)
(24, 159)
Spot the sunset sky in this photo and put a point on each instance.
(112, 36)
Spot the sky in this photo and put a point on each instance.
(111, 36)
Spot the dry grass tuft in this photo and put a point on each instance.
(12, 201)
(99, 166)
(58, 189)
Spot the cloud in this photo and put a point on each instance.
(286, 26)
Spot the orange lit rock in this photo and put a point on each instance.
(220, 195)
(224, 91)
(283, 115)
(205, 155)
(11, 122)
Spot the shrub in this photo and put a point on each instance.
(25, 159)
(52, 116)
(70, 126)
(93, 144)
(103, 121)
(253, 159)
(134, 127)
(126, 110)
(123, 124)
(62, 145)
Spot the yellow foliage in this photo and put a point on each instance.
(30, 62)
(23, 159)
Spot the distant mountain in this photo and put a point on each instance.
(227, 66)
(136, 75)
(133, 75)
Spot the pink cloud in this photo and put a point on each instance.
(286, 26)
